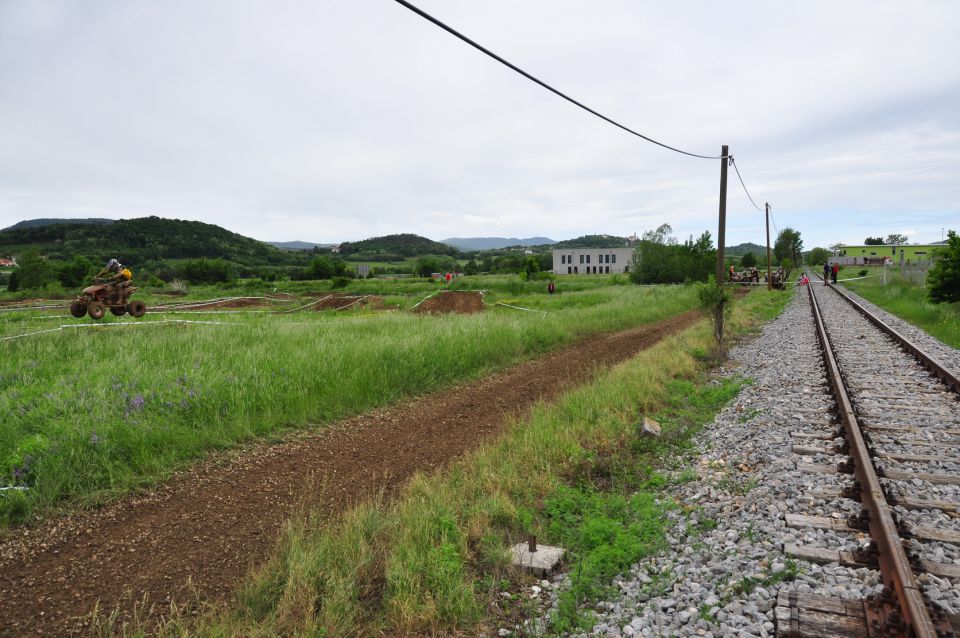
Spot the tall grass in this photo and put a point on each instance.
(906, 297)
(89, 413)
(430, 562)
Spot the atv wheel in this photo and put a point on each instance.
(78, 309)
(136, 308)
(96, 310)
(118, 311)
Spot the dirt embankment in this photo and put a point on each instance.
(459, 301)
(213, 523)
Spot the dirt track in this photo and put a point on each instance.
(219, 519)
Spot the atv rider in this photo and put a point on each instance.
(117, 276)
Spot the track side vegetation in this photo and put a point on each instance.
(91, 413)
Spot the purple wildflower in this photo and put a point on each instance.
(136, 403)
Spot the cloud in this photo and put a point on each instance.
(329, 122)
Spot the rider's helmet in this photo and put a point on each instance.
(114, 266)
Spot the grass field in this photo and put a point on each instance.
(433, 561)
(906, 297)
(89, 413)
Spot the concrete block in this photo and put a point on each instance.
(540, 562)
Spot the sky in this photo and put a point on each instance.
(336, 121)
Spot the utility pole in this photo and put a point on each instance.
(769, 281)
(721, 232)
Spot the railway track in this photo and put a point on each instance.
(890, 464)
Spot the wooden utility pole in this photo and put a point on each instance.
(722, 231)
(769, 281)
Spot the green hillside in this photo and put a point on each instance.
(394, 248)
(50, 221)
(143, 239)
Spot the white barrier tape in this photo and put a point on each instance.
(306, 305)
(432, 294)
(352, 302)
(121, 325)
(506, 305)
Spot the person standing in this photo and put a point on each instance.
(833, 272)
(826, 273)
(551, 288)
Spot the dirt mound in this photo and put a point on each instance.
(338, 301)
(463, 302)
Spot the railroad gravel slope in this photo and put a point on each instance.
(726, 562)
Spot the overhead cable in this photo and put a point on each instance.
(530, 77)
(732, 161)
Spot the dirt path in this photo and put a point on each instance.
(211, 524)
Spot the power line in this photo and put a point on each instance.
(744, 185)
(509, 65)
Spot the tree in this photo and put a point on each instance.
(896, 239)
(471, 268)
(835, 248)
(788, 246)
(873, 241)
(33, 271)
(659, 259)
(662, 235)
(76, 273)
(818, 256)
(943, 280)
(530, 267)
(749, 260)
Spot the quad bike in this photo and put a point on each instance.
(96, 299)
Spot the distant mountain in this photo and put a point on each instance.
(742, 249)
(298, 245)
(136, 240)
(492, 243)
(50, 221)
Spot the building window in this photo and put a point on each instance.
(608, 270)
(613, 258)
(569, 269)
(607, 258)
(588, 259)
(575, 269)
(581, 259)
(594, 270)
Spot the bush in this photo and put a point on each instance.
(863, 273)
(339, 282)
(943, 280)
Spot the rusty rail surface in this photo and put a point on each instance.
(927, 361)
(900, 609)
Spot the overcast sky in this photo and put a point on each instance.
(330, 121)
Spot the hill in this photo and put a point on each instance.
(50, 221)
(138, 240)
(393, 247)
(298, 245)
(493, 243)
(593, 241)
(742, 249)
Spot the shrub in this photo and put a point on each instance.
(943, 280)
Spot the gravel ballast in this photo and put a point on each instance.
(726, 562)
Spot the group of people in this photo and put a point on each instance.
(752, 275)
(830, 272)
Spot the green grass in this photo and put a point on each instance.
(90, 413)
(906, 298)
(433, 561)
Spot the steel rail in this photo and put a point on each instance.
(933, 365)
(905, 610)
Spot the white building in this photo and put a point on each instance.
(591, 261)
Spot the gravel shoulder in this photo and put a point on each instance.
(726, 562)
